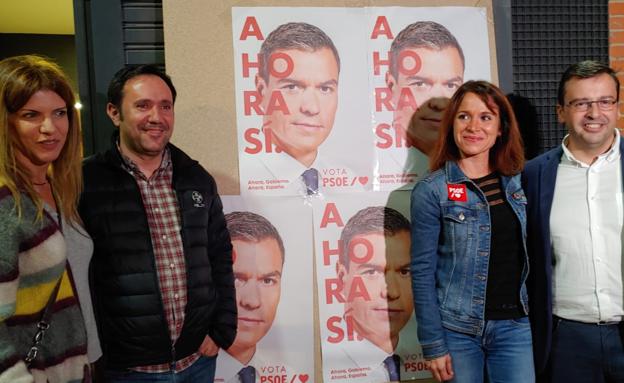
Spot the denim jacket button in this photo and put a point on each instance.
(462, 216)
(485, 228)
(481, 277)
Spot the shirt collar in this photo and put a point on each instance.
(282, 165)
(364, 353)
(229, 366)
(454, 174)
(613, 154)
(132, 167)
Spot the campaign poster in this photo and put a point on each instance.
(302, 108)
(366, 310)
(272, 263)
(418, 57)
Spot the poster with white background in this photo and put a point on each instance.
(272, 263)
(308, 109)
(435, 50)
(366, 310)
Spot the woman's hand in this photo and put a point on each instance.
(441, 368)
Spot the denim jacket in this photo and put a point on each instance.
(450, 254)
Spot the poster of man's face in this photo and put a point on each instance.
(271, 259)
(429, 55)
(258, 257)
(441, 72)
(292, 115)
(365, 295)
(380, 263)
(301, 68)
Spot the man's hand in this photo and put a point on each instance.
(208, 347)
(441, 368)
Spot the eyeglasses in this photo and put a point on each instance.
(585, 105)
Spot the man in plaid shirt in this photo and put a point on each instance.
(162, 267)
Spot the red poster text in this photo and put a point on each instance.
(251, 29)
(335, 325)
(389, 136)
(257, 141)
(381, 28)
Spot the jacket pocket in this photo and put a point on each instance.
(455, 260)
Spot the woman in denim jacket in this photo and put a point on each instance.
(469, 261)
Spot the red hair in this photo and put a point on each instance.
(507, 154)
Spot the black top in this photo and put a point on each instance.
(502, 300)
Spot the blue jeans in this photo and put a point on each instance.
(583, 352)
(504, 353)
(202, 371)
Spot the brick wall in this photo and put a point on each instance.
(616, 45)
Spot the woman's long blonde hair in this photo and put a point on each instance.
(20, 78)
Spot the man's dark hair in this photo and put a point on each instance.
(301, 36)
(115, 88)
(251, 227)
(585, 69)
(422, 34)
(371, 220)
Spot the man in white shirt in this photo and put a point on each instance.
(575, 218)
(258, 259)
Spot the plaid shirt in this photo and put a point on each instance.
(163, 218)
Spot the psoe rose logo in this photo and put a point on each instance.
(457, 192)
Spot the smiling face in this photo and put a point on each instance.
(591, 131)
(385, 274)
(146, 118)
(476, 127)
(310, 93)
(257, 278)
(41, 127)
(440, 74)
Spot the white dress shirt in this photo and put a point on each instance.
(228, 367)
(586, 238)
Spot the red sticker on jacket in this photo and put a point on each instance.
(457, 192)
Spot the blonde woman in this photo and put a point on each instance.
(40, 182)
